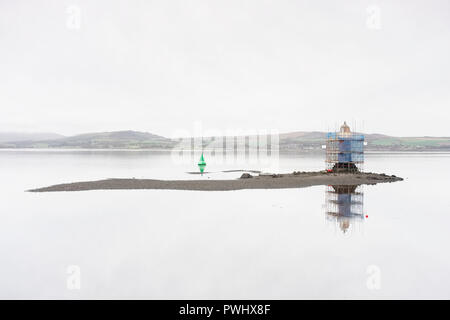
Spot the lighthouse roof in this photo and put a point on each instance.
(345, 128)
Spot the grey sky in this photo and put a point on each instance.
(159, 66)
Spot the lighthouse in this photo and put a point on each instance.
(344, 150)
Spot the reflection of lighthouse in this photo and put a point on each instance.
(344, 205)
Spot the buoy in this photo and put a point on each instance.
(201, 164)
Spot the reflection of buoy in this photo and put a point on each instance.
(201, 164)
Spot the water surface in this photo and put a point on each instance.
(249, 244)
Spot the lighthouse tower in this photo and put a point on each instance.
(344, 150)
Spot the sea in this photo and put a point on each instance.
(384, 241)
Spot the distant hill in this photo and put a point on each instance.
(300, 141)
(375, 142)
(101, 140)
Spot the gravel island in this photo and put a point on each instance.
(246, 181)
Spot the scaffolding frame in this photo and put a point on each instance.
(344, 152)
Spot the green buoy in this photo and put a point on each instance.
(201, 164)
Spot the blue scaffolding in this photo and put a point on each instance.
(345, 151)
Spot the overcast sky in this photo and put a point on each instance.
(159, 66)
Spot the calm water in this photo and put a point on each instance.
(287, 244)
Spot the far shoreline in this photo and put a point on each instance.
(282, 152)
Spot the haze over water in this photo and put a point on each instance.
(255, 244)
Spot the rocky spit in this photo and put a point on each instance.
(296, 179)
